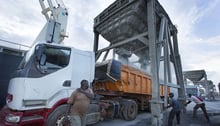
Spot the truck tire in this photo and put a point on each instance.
(125, 112)
(130, 110)
(121, 112)
(149, 107)
(123, 107)
(55, 118)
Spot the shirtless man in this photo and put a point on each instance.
(79, 102)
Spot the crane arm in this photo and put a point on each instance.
(54, 11)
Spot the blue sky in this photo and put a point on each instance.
(197, 22)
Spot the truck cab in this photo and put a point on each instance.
(45, 79)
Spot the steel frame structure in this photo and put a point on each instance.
(162, 46)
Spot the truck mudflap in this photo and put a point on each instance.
(9, 117)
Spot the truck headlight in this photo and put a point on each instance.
(12, 118)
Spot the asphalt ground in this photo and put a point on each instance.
(144, 119)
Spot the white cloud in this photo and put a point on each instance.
(20, 20)
(196, 52)
(81, 21)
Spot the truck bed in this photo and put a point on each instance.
(114, 78)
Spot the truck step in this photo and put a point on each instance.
(31, 118)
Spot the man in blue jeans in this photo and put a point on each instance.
(174, 103)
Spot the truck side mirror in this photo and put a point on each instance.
(43, 60)
(40, 56)
(39, 51)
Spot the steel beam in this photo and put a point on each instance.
(155, 101)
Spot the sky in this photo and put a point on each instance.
(197, 22)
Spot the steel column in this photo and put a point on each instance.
(180, 81)
(155, 101)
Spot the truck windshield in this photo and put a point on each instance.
(56, 57)
(52, 59)
(48, 59)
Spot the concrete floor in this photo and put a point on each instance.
(144, 118)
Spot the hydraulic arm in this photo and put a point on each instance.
(56, 15)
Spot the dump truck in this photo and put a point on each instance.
(128, 87)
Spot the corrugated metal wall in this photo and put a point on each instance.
(8, 63)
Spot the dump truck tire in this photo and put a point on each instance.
(55, 118)
(121, 111)
(149, 107)
(125, 112)
(130, 110)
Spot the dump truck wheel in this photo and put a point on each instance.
(149, 107)
(125, 112)
(56, 117)
(130, 110)
(121, 111)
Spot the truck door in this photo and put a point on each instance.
(47, 76)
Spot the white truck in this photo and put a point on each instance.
(41, 85)
(197, 90)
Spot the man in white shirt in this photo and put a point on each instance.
(199, 104)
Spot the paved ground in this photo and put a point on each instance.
(187, 120)
(144, 119)
(213, 109)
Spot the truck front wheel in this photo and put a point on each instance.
(55, 118)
